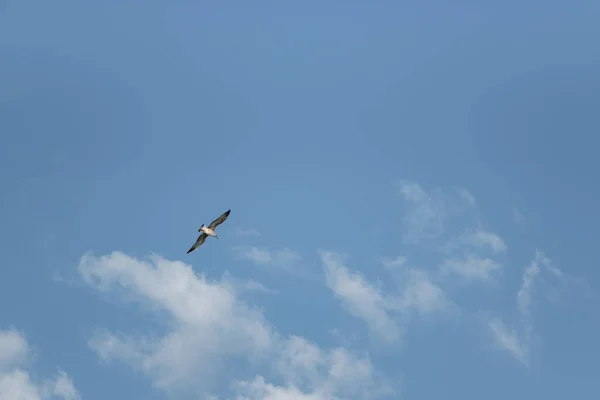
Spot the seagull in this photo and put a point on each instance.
(209, 231)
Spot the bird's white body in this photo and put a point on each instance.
(208, 231)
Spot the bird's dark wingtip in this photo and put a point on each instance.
(189, 251)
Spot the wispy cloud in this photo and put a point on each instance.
(422, 294)
(479, 240)
(394, 263)
(311, 372)
(509, 340)
(471, 267)
(15, 380)
(517, 217)
(529, 276)
(61, 387)
(518, 345)
(467, 196)
(284, 258)
(361, 299)
(246, 232)
(383, 312)
(448, 225)
(424, 213)
(470, 255)
(467, 255)
(434, 214)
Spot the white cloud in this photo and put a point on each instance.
(519, 345)
(258, 389)
(471, 267)
(424, 213)
(394, 263)
(444, 215)
(362, 299)
(380, 310)
(17, 385)
(529, 275)
(15, 381)
(61, 387)
(421, 294)
(509, 340)
(208, 326)
(13, 348)
(471, 253)
(310, 372)
(480, 239)
(207, 323)
(284, 258)
(465, 259)
(427, 214)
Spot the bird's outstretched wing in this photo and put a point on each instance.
(199, 241)
(219, 220)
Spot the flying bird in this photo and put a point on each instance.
(209, 231)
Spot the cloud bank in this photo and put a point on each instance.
(208, 330)
(213, 340)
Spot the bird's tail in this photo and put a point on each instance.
(201, 228)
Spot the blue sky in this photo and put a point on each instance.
(412, 186)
